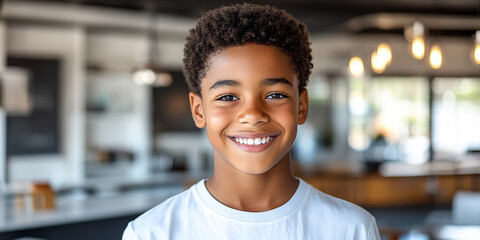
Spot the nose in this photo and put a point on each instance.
(253, 112)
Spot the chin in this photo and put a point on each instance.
(258, 170)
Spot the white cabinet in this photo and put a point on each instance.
(117, 122)
(117, 125)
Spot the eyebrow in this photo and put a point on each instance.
(266, 82)
(273, 81)
(222, 83)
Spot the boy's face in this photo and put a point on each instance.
(251, 107)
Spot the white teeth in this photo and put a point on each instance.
(253, 141)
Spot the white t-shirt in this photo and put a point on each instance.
(309, 214)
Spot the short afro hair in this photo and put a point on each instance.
(241, 24)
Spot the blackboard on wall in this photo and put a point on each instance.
(171, 107)
(37, 132)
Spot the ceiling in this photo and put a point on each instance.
(319, 15)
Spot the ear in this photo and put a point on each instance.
(196, 107)
(302, 107)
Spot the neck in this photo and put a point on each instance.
(252, 192)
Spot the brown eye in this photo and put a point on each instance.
(276, 96)
(227, 98)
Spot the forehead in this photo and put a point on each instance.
(249, 61)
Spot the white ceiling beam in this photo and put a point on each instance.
(390, 21)
(89, 16)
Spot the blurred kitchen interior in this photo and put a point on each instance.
(95, 126)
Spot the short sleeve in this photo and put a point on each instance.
(373, 233)
(129, 233)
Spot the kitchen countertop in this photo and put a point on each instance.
(95, 199)
(74, 209)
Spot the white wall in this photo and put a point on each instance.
(66, 44)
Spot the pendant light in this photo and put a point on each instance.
(381, 58)
(476, 48)
(356, 66)
(436, 57)
(151, 73)
(378, 65)
(418, 40)
(384, 52)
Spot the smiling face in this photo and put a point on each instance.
(251, 107)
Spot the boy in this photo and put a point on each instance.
(247, 67)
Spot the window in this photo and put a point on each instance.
(456, 116)
(390, 118)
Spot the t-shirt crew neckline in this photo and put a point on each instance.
(254, 217)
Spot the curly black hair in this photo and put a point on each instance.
(241, 24)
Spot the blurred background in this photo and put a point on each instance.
(95, 126)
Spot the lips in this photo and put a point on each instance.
(253, 142)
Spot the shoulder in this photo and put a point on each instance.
(338, 213)
(336, 207)
(169, 206)
(162, 217)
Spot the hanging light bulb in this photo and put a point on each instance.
(378, 64)
(476, 49)
(144, 76)
(435, 57)
(151, 73)
(418, 41)
(384, 53)
(418, 47)
(356, 66)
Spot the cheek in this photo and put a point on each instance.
(287, 114)
(218, 119)
(287, 117)
(219, 114)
